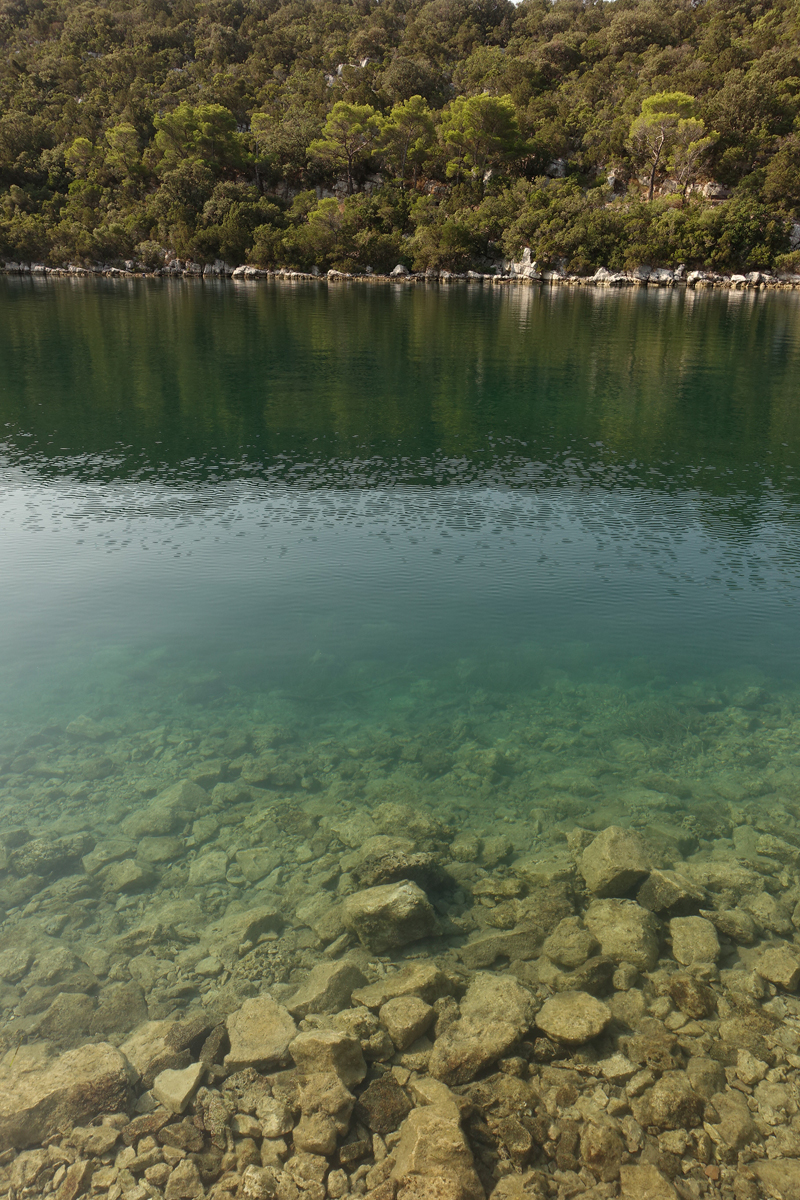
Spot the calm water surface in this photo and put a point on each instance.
(305, 589)
(371, 511)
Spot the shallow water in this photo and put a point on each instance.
(277, 485)
(271, 492)
(523, 558)
(307, 589)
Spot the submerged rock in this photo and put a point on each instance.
(50, 856)
(495, 1012)
(732, 1120)
(322, 1092)
(383, 1105)
(260, 1034)
(733, 923)
(614, 862)
(573, 1017)
(671, 1103)
(174, 1089)
(329, 1051)
(423, 979)
(626, 932)
(390, 916)
(669, 891)
(406, 1018)
(694, 940)
(779, 1180)
(161, 1045)
(569, 945)
(692, 997)
(171, 809)
(781, 964)
(643, 1181)
(432, 1157)
(328, 988)
(38, 1095)
(522, 943)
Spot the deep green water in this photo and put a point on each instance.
(362, 509)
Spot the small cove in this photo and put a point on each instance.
(493, 568)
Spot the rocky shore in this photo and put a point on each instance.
(504, 272)
(262, 961)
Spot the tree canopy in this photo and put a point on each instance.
(439, 133)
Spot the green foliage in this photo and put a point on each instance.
(479, 133)
(689, 149)
(205, 133)
(667, 130)
(406, 137)
(252, 130)
(349, 136)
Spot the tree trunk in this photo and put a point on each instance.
(656, 160)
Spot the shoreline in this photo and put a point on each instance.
(513, 273)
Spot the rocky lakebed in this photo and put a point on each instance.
(521, 951)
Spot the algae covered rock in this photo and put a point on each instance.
(164, 815)
(521, 943)
(384, 1105)
(694, 939)
(384, 918)
(569, 945)
(626, 932)
(50, 856)
(573, 1017)
(614, 862)
(693, 997)
(670, 891)
(733, 923)
(671, 1103)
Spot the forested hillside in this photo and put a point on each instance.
(437, 133)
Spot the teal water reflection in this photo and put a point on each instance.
(349, 498)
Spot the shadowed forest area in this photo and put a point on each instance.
(442, 134)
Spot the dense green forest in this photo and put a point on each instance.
(435, 133)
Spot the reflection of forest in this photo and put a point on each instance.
(425, 384)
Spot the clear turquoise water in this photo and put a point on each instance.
(346, 507)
